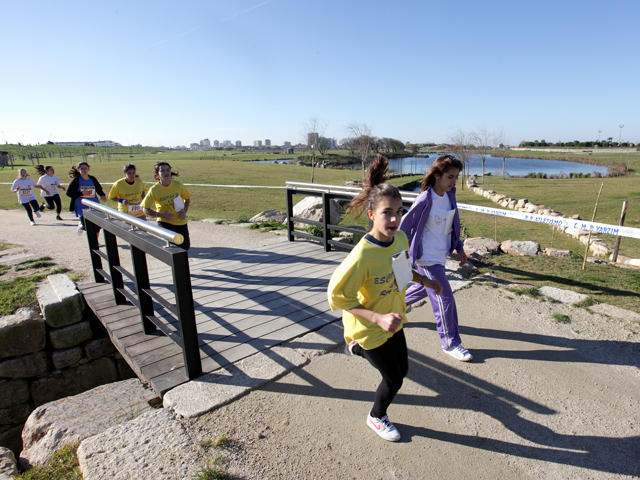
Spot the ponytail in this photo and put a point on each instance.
(439, 167)
(374, 188)
(41, 169)
(74, 171)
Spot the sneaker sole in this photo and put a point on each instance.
(460, 359)
(373, 427)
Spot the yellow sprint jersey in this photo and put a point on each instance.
(165, 199)
(132, 193)
(366, 278)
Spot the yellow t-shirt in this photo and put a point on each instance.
(131, 193)
(366, 277)
(164, 200)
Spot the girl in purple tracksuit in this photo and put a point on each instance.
(433, 228)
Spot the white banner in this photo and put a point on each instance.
(594, 227)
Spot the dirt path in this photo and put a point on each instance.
(540, 399)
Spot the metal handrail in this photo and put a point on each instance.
(168, 235)
(351, 191)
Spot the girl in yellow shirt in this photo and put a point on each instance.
(129, 192)
(371, 290)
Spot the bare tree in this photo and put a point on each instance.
(312, 132)
(484, 141)
(501, 147)
(350, 145)
(361, 134)
(323, 145)
(461, 147)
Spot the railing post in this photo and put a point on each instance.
(141, 273)
(92, 239)
(186, 314)
(290, 214)
(326, 214)
(117, 283)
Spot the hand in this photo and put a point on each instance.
(45, 191)
(166, 215)
(182, 214)
(125, 201)
(463, 258)
(433, 285)
(389, 322)
(103, 198)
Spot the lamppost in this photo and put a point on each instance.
(620, 137)
(5, 138)
(599, 132)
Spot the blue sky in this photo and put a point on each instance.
(171, 73)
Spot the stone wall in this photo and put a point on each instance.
(60, 351)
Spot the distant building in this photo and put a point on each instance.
(287, 144)
(99, 143)
(257, 143)
(205, 143)
(227, 143)
(238, 143)
(312, 138)
(216, 143)
(267, 143)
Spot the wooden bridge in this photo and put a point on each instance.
(244, 302)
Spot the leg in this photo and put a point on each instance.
(444, 308)
(391, 360)
(27, 207)
(182, 230)
(58, 202)
(35, 207)
(49, 201)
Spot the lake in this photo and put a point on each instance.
(514, 167)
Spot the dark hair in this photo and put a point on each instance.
(439, 166)
(41, 169)
(129, 166)
(74, 171)
(156, 170)
(374, 188)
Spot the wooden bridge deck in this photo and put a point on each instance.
(245, 302)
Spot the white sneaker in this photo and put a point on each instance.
(348, 347)
(383, 427)
(80, 229)
(33, 224)
(37, 214)
(459, 353)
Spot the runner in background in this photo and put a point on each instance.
(24, 186)
(51, 182)
(83, 186)
(129, 192)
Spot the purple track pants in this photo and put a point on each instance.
(444, 306)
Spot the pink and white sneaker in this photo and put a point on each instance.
(383, 427)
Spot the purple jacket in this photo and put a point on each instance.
(415, 221)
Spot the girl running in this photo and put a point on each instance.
(433, 227)
(369, 287)
(24, 186)
(129, 192)
(171, 201)
(83, 186)
(51, 182)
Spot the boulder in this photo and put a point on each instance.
(71, 335)
(71, 419)
(621, 258)
(521, 203)
(520, 248)
(73, 381)
(530, 208)
(99, 347)
(634, 261)
(575, 232)
(270, 215)
(25, 366)
(66, 357)
(60, 301)
(310, 208)
(600, 249)
(483, 244)
(512, 204)
(21, 333)
(13, 392)
(8, 467)
(154, 445)
(557, 253)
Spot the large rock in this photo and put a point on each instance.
(557, 253)
(13, 392)
(523, 249)
(311, 209)
(600, 248)
(73, 381)
(71, 419)
(521, 203)
(10, 437)
(153, 446)
(17, 414)
(21, 333)
(8, 467)
(270, 215)
(575, 232)
(487, 245)
(99, 347)
(25, 366)
(66, 357)
(71, 335)
(60, 301)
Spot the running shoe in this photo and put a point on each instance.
(80, 229)
(33, 224)
(348, 347)
(459, 353)
(383, 427)
(37, 214)
(58, 217)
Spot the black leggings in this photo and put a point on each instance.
(28, 206)
(182, 230)
(392, 361)
(54, 199)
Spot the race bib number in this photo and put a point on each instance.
(88, 191)
(24, 192)
(135, 208)
(402, 269)
(53, 188)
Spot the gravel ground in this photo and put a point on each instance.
(540, 400)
